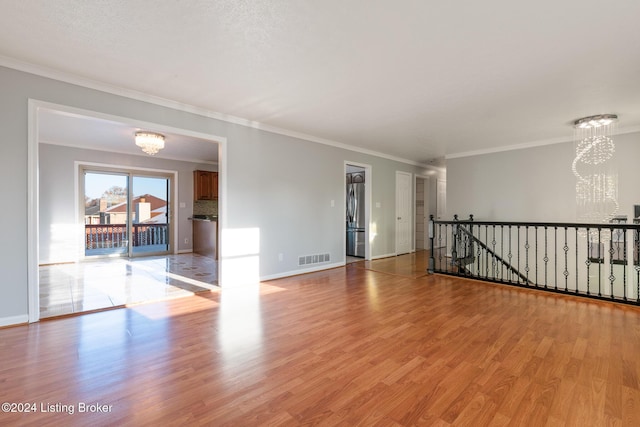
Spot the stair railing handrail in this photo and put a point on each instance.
(491, 252)
(596, 260)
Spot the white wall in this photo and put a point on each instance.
(278, 189)
(57, 220)
(283, 187)
(534, 184)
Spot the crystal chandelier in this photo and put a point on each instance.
(596, 180)
(150, 142)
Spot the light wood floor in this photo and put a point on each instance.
(359, 345)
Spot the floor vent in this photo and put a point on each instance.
(313, 259)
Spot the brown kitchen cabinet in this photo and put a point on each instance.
(205, 185)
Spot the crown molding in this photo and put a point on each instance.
(128, 153)
(88, 83)
(533, 144)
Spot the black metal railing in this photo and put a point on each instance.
(101, 236)
(592, 260)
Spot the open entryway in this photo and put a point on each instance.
(403, 212)
(109, 225)
(357, 211)
(421, 212)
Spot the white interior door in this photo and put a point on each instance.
(403, 212)
(441, 199)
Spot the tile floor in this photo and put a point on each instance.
(104, 283)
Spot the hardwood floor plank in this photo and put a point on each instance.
(348, 346)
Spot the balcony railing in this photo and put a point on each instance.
(593, 260)
(110, 236)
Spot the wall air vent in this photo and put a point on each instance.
(313, 259)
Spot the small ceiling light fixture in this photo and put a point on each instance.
(150, 142)
(596, 178)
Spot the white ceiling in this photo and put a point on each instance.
(74, 130)
(414, 79)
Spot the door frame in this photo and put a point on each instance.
(441, 200)
(368, 184)
(427, 207)
(410, 213)
(33, 189)
(172, 175)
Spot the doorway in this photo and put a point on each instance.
(357, 199)
(421, 212)
(403, 213)
(56, 218)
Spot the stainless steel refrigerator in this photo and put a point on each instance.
(355, 214)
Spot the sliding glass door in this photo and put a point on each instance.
(106, 213)
(126, 213)
(150, 203)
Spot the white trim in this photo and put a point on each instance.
(120, 168)
(164, 102)
(368, 191)
(411, 220)
(128, 153)
(427, 183)
(74, 111)
(222, 205)
(185, 251)
(384, 256)
(302, 271)
(532, 144)
(436, 168)
(33, 190)
(14, 320)
(33, 213)
(129, 171)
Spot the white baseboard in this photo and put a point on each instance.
(14, 320)
(383, 256)
(302, 271)
(185, 251)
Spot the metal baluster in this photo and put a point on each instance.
(519, 278)
(611, 252)
(535, 229)
(493, 254)
(546, 257)
(432, 259)
(440, 247)
(454, 244)
(636, 260)
(555, 256)
(501, 252)
(588, 262)
(624, 265)
(600, 261)
(566, 262)
(577, 268)
(486, 240)
(526, 252)
(443, 265)
(510, 271)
